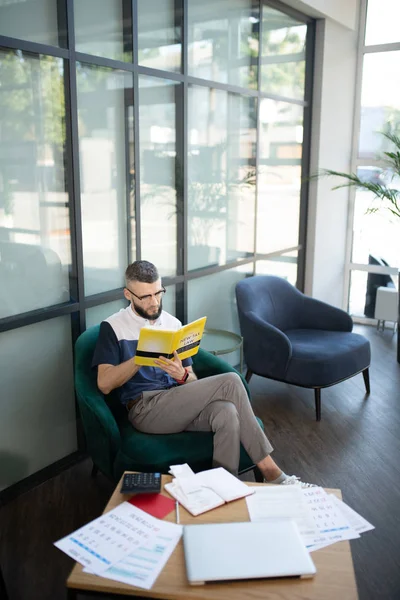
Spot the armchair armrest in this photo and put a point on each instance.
(267, 350)
(320, 315)
(102, 435)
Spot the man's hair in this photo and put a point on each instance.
(143, 271)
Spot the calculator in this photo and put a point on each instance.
(141, 483)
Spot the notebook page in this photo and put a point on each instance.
(197, 501)
(224, 484)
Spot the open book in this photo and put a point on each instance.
(154, 342)
(200, 492)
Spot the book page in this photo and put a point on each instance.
(187, 338)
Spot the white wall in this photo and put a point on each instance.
(342, 11)
(331, 147)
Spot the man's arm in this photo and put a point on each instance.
(110, 377)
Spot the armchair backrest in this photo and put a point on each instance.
(271, 298)
(101, 430)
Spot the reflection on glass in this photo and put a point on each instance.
(33, 20)
(375, 234)
(279, 181)
(157, 118)
(105, 117)
(102, 28)
(37, 424)
(213, 296)
(223, 41)
(284, 266)
(221, 190)
(283, 54)
(35, 244)
(97, 314)
(380, 101)
(159, 34)
(383, 18)
(358, 291)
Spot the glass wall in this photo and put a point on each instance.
(135, 130)
(375, 244)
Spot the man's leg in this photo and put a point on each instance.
(175, 410)
(222, 418)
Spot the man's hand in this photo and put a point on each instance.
(173, 368)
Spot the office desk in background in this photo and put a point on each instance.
(334, 579)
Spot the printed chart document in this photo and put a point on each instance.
(126, 544)
(321, 518)
(200, 492)
(154, 342)
(287, 502)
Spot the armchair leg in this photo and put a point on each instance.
(248, 375)
(95, 470)
(317, 395)
(366, 380)
(258, 476)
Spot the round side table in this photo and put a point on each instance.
(221, 341)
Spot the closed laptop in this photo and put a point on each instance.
(251, 550)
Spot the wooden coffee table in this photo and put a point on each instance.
(334, 579)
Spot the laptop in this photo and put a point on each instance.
(251, 550)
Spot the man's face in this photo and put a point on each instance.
(145, 298)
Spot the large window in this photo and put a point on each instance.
(375, 254)
(165, 130)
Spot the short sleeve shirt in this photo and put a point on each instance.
(117, 343)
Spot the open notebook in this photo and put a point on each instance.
(200, 492)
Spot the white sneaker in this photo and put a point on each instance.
(294, 480)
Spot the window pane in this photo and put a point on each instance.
(35, 245)
(37, 420)
(375, 234)
(157, 119)
(159, 34)
(380, 103)
(102, 28)
(33, 20)
(284, 266)
(202, 294)
(97, 314)
(223, 41)
(105, 118)
(383, 18)
(281, 137)
(283, 54)
(221, 191)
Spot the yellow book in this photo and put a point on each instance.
(154, 342)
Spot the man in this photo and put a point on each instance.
(169, 398)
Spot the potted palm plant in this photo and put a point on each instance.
(385, 190)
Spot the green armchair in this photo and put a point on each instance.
(115, 446)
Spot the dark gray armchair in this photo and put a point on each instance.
(296, 339)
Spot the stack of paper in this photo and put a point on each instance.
(322, 518)
(126, 544)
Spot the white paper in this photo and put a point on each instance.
(142, 566)
(197, 501)
(284, 502)
(223, 483)
(104, 541)
(328, 518)
(356, 521)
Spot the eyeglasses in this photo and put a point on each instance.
(147, 298)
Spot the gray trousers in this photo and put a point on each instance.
(219, 404)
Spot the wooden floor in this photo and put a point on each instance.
(356, 447)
